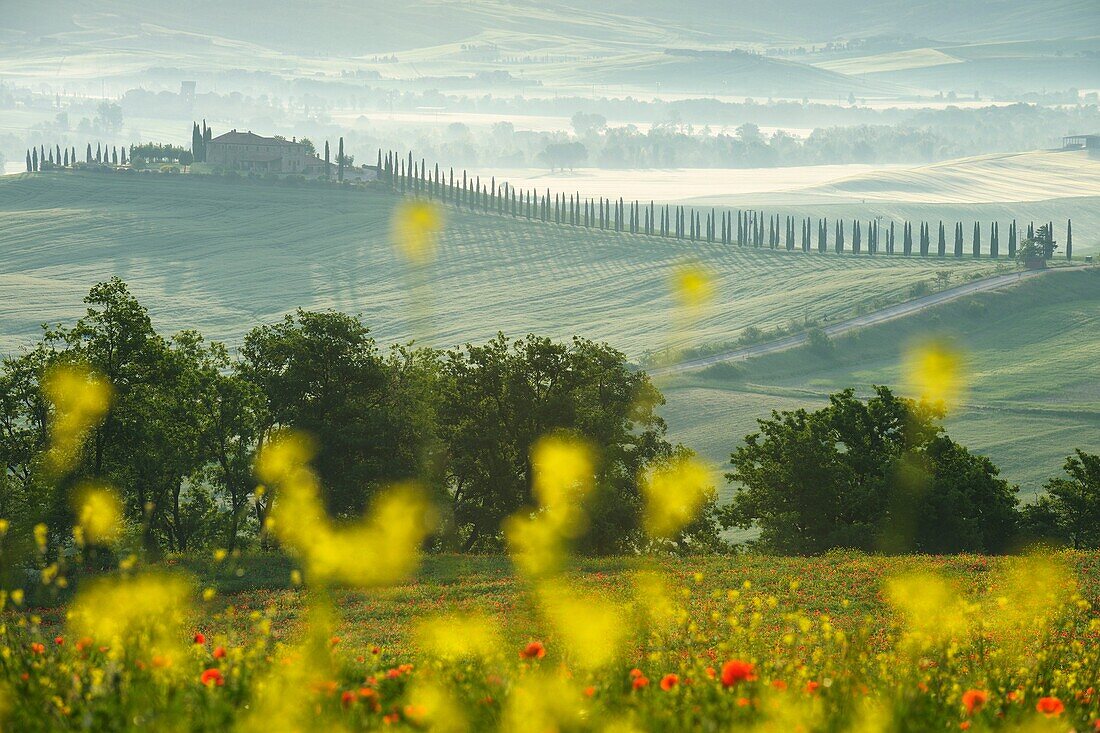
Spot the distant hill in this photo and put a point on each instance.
(343, 27)
(933, 45)
(224, 256)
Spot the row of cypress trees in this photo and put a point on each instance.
(43, 158)
(744, 228)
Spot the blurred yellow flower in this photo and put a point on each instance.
(591, 629)
(146, 611)
(933, 372)
(692, 286)
(458, 636)
(563, 478)
(674, 492)
(379, 550)
(80, 399)
(416, 226)
(98, 514)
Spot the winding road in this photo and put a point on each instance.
(868, 319)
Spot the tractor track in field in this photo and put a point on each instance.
(840, 328)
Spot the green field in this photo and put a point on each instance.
(1031, 372)
(224, 256)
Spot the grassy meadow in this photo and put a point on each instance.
(1030, 370)
(224, 256)
(841, 642)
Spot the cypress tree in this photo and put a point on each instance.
(66, 157)
(994, 240)
(1012, 239)
(59, 154)
(340, 160)
(1069, 239)
(114, 155)
(328, 165)
(32, 160)
(941, 246)
(976, 245)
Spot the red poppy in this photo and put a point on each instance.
(812, 686)
(589, 691)
(735, 671)
(200, 639)
(779, 684)
(59, 640)
(1050, 706)
(640, 682)
(973, 700)
(669, 681)
(219, 652)
(534, 650)
(965, 725)
(38, 648)
(212, 677)
(347, 698)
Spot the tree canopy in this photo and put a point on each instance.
(878, 474)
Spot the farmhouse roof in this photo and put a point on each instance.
(249, 138)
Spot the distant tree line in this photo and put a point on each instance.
(742, 228)
(188, 416)
(667, 134)
(45, 158)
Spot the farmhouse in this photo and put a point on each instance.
(247, 151)
(1090, 142)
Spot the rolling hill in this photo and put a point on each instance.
(1029, 360)
(224, 256)
(619, 46)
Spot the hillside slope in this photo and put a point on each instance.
(1030, 368)
(223, 257)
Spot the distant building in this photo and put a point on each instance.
(246, 151)
(1090, 142)
(187, 93)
